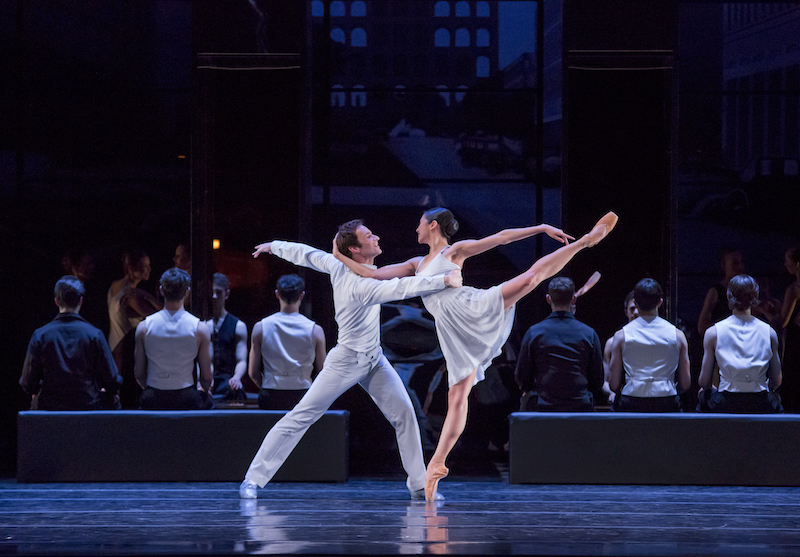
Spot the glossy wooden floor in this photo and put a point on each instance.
(363, 516)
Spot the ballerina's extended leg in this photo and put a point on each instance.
(520, 286)
(513, 290)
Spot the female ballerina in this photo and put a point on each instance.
(790, 321)
(472, 324)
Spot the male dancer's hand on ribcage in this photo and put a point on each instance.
(262, 248)
(453, 279)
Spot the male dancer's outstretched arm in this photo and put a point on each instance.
(314, 258)
(299, 254)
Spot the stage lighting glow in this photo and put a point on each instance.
(215, 244)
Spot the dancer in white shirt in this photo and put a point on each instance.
(473, 324)
(357, 358)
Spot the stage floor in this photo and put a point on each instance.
(373, 517)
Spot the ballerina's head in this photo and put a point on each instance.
(436, 221)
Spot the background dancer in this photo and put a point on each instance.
(357, 358)
(473, 324)
(228, 344)
(286, 348)
(746, 351)
(790, 322)
(649, 358)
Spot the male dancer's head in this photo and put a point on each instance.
(290, 292)
(742, 293)
(68, 294)
(357, 242)
(631, 311)
(561, 294)
(175, 287)
(220, 292)
(648, 296)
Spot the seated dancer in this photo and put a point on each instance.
(228, 344)
(127, 307)
(648, 356)
(168, 343)
(473, 324)
(559, 358)
(356, 359)
(286, 348)
(68, 363)
(631, 313)
(746, 350)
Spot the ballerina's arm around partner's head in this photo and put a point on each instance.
(398, 270)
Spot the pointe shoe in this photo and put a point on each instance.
(432, 481)
(419, 495)
(602, 229)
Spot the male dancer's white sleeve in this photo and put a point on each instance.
(305, 256)
(367, 291)
(371, 291)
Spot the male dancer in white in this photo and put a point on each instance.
(357, 357)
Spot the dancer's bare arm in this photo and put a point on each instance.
(615, 367)
(141, 303)
(683, 374)
(460, 251)
(204, 356)
(255, 363)
(705, 321)
(320, 347)
(607, 370)
(789, 301)
(240, 369)
(397, 270)
(707, 367)
(774, 372)
(139, 356)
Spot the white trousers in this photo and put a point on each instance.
(344, 368)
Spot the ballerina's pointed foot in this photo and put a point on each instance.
(602, 229)
(432, 477)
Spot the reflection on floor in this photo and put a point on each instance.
(364, 516)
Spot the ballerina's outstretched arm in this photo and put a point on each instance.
(463, 249)
(397, 270)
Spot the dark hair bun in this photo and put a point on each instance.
(452, 227)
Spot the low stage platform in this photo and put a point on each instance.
(376, 517)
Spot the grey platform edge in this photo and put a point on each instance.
(171, 446)
(654, 449)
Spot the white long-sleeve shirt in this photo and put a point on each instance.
(356, 299)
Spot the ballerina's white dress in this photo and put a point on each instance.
(471, 324)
